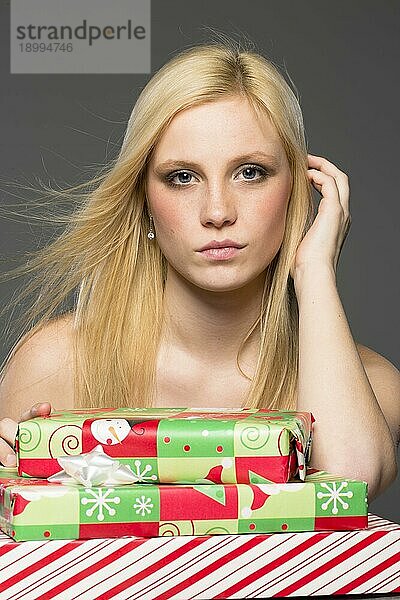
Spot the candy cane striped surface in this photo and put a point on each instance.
(205, 567)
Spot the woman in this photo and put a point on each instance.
(199, 245)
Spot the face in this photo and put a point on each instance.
(219, 174)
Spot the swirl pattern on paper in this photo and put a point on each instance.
(171, 529)
(29, 439)
(65, 440)
(255, 437)
(216, 530)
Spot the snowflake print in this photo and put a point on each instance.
(143, 505)
(141, 475)
(334, 495)
(100, 500)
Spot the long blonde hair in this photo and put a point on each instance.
(118, 277)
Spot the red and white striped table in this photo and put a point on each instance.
(205, 567)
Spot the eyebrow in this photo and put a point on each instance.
(249, 157)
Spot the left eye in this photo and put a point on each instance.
(246, 170)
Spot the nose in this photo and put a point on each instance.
(218, 209)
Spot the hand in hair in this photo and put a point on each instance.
(8, 431)
(323, 242)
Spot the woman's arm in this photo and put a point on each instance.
(39, 372)
(356, 431)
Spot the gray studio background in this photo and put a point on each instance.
(343, 58)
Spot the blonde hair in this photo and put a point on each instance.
(118, 277)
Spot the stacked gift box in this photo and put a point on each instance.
(172, 472)
(184, 504)
(317, 563)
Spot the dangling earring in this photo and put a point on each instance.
(151, 234)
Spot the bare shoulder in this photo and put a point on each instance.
(40, 370)
(384, 378)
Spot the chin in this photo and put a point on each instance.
(221, 284)
(217, 280)
(221, 289)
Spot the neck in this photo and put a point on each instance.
(211, 325)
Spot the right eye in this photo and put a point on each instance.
(172, 176)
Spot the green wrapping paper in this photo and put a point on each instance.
(179, 445)
(34, 509)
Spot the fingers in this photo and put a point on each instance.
(340, 178)
(327, 187)
(7, 455)
(42, 409)
(8, 431)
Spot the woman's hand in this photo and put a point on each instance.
(8, 431)
(322, 244)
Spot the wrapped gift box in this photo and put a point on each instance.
(175, 445)
(34, 509)
(204, 567)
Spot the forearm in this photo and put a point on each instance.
(351, 436)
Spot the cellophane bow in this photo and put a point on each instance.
(94, 468)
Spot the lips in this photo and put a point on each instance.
(223, 244)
